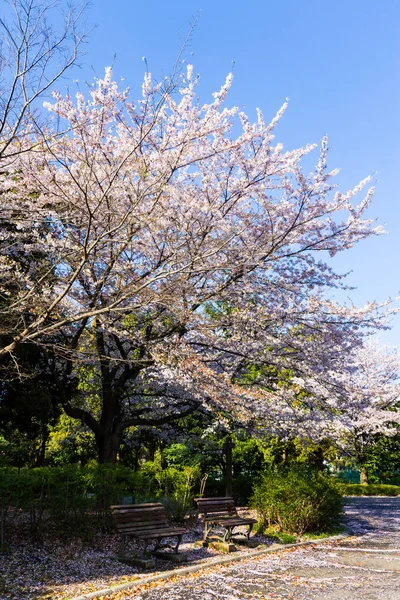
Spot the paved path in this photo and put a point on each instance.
(363, 567)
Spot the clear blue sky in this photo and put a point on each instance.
(337, 61)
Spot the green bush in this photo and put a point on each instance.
(296, 502)
(74, 501)
(373, 489)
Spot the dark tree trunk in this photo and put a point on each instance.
(163, 460)
(319, 460)
(42, 448)
(359, 445)
(136, 459)
(108, 446)
(109, 435)
(228, 466)
(108, 429)
(151, 450)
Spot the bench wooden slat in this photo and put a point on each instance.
(148, 527)
(138, 530)
(146, 511)
(137, 507)
(144, 522)
(221, 511)
(161, 533)
(136, 518)
(229, 521)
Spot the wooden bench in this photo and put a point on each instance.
(147, 522)
(221, 512)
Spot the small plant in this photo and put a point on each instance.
(178, 485)
(296, 502)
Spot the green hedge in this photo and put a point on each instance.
(75, 501)
(373, 489)
(296, 502)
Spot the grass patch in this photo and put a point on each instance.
(281, 537)
(275, 535)
(324, 534)
(373, 489)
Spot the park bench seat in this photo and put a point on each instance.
(145, 522)
(221, 512)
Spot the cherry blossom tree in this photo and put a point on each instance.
(182, 244)
(372, 402)
(39, 43)
(34, 55)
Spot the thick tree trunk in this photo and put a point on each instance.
(363, 476)
(108, 445)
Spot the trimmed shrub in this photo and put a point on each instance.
(74, 501)
(296, 502)
(373, 489)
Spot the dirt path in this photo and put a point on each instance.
(363, 567)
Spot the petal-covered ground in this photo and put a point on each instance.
(363, 567)
(60, 570)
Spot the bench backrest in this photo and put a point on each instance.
(139, 517)
(216, 507)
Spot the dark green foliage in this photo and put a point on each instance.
(173, 486)
(70, 501)
(28, 409)
(373, 489)
(296, 501)
(74, 501)
(382, 460)
(378, 459)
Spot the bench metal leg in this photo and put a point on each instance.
(122, 545)
(177, 543)
(228, 534)
(146, 543)
(207, 529)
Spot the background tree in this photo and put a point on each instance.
(382, 459)
(370, 410)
